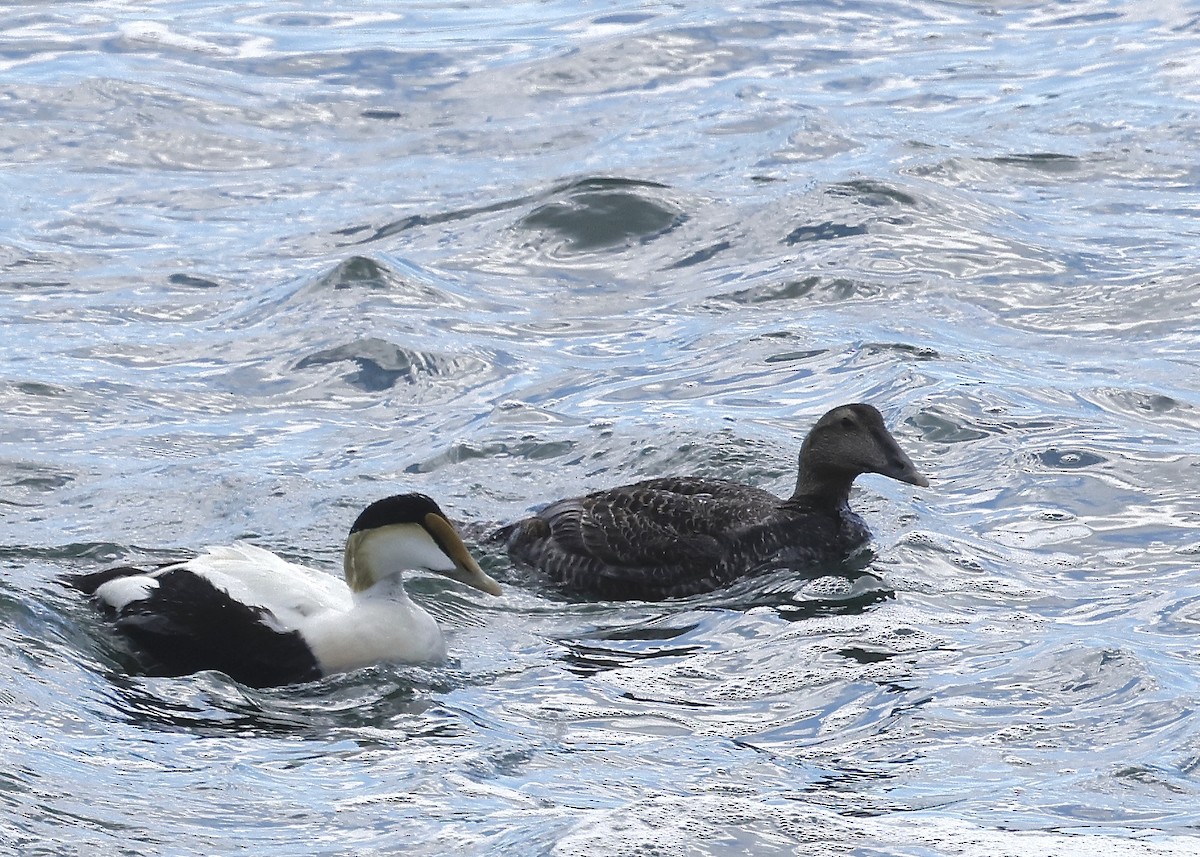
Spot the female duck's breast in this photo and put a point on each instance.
(809, 539)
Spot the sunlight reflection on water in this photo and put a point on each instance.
(263, 265)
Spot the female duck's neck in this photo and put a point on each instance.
(824, 488)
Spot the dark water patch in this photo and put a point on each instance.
(787, 336)
(210, 704)
(523, 413)
(26, 478)
(1068, 458)
(70, 552)
(886, 354)
(913, 352)
(416, 221)
(797, 593)
(700, 256)
(997, 170)
(1045, 162)
(1181, 616)
(848, 209)
(191, 281)
(937, 427)
(382, 364)
(357, 291)
(625, 18)
(360, 272)
(1055, 515)
(1068, 689)
(627, 645)
(847, 594)
(382, 114)
(1154, 407)
(654, 630)
(577, 216)
(794, 356)
(528, 449)
(601, 214)
(977, 416)
(371, 67)
(872, 193)
(816, 289)
(866, 656)
(826, 231)
(299, 19)
(1157, 778)
(37, 388)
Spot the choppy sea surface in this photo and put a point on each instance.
(261, 264)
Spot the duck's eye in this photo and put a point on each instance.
(847, 423)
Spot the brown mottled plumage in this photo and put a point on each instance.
(677, 536)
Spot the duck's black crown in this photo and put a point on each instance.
(397, 509)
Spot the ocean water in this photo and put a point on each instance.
(261, 264)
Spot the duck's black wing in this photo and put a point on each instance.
(184, 624)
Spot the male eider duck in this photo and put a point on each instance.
(265, 621)
(678, 536)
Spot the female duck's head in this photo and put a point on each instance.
(845, 442)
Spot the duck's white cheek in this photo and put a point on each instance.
(400, 547)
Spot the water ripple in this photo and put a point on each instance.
(264, 264)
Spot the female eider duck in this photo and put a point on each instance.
(678, 536)
(265, 621)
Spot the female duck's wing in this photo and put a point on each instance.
(724, 491)
(619, 537)
(655, 523)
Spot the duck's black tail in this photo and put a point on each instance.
(88, 583)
